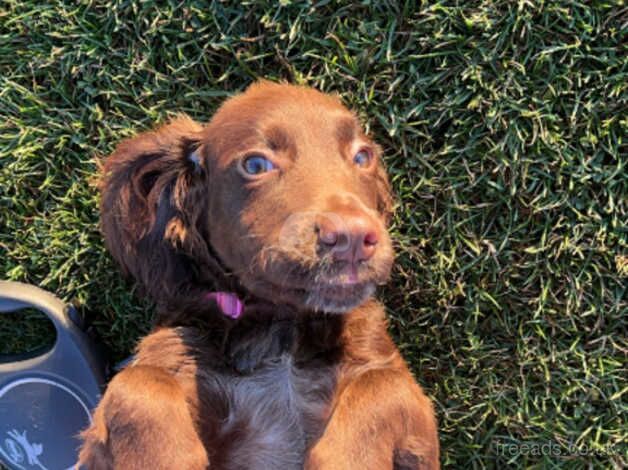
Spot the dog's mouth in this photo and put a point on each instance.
(322, 288)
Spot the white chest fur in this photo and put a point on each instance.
(278, 408)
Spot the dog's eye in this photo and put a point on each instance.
(257, 164)
(363, 158)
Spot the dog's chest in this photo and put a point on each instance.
(275, 412)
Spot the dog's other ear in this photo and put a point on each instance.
(154, 206)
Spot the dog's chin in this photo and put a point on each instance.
(320, 288)
(326, 297)
(338, 298)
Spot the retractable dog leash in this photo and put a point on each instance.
(46, 398)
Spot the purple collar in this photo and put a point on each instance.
(229, 303)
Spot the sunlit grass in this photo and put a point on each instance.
(504, 125)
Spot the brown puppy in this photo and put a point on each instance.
(261, 237)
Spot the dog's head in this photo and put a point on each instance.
(281, 191)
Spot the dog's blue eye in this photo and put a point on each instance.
(257, 164)
(363, 158)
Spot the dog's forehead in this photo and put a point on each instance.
(288, 104)
(306, 127)
(282, 116)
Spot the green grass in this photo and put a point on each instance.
(504, 125)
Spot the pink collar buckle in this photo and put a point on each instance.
(230, 304)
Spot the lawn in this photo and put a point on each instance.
(504, 125)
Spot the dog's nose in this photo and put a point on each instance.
(350, 238)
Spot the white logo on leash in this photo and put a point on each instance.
(17, 447)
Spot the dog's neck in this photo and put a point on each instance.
(248, 332)
(265, 332)
(258, 340)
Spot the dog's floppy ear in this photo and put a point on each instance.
(154, 199)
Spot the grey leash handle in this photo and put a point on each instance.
(46, 398)
(15, 296)
(71, 347)
(72, 356)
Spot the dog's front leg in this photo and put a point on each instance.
(380, 420)
(143, 422)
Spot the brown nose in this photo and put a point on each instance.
(350, 238)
